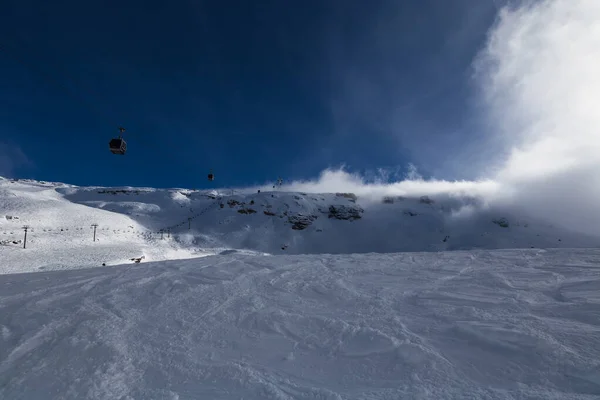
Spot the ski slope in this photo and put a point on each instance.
(61, 236)
(504, 324)
(201, 223)
(275, 295)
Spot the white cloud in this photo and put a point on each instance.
(412, 173)
(539, 76)
(339, 180)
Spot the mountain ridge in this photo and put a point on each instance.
(161, 224)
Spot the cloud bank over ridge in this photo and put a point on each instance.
(538, 78)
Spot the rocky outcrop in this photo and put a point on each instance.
(246, 211)
(425, 200)
(9, 241)
(392, 200)
(232, 203)
(117, 191)
(344, 212)
(503, 222)
(300, 221)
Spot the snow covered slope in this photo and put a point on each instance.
(61, 236)
(210, 222)
(494, 324)
(506, 324)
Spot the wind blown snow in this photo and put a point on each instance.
(538, 76)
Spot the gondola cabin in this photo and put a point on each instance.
(211, 176)
(118, 146)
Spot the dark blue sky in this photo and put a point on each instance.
(253, 89)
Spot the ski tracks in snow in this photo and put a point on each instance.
(418, 325)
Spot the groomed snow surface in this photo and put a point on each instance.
(489, 324)
(481, 322)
